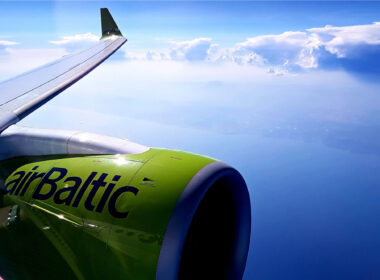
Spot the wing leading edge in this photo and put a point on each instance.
(25, 93)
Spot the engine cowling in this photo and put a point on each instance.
(160, 214)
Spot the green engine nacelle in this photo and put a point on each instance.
(160, 214)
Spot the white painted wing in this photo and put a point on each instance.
(25, 93)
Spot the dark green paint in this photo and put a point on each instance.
(109, 26)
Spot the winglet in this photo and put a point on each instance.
(109, 26)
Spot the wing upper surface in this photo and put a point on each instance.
(23, 94)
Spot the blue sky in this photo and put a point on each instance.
(287, 92)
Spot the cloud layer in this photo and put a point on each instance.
(354, 48)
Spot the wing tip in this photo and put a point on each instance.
(109, 26)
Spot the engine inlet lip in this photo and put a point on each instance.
(171, 250)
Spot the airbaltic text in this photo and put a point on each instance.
(74, 191)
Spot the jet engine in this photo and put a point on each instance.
(117, 210)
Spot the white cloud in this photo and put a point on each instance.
(286, 49)
(349, 47)
(156, 55)
(275, 71)
(199, 49)
(4, 45)
(130, 56)
(150, 55)
(75, 42)
(194, 50)
(342, 41)
(307, 48)
(7, 43)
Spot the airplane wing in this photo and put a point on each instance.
(23, 94)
